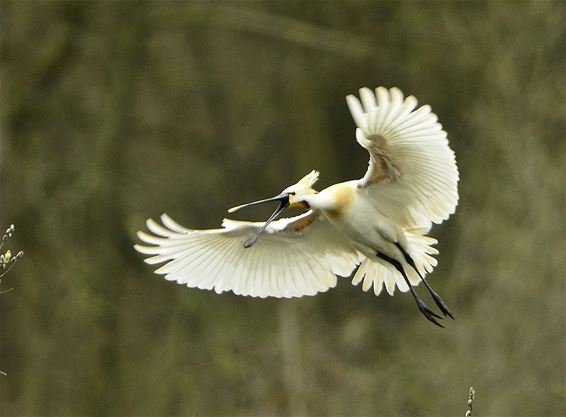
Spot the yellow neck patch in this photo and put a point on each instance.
(343, 196)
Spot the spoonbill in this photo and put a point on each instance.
(376, 226)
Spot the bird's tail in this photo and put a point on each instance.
(372, 273)
(421, 250)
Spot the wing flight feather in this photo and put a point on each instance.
(411, 165)
(294, 257)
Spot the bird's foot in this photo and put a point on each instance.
(442, 305)
(429, 314)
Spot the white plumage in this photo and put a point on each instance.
(283, 263)
(378, 223)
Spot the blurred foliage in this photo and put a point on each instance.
(113, 112)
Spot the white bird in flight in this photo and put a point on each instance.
(377, 224)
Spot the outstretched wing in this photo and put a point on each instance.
(293, 257)
(412, 174)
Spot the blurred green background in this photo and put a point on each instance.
(112, 112)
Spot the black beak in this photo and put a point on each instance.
(283, 200)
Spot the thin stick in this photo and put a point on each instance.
(471, 397)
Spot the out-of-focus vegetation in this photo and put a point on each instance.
(113, 112)
(7, 259)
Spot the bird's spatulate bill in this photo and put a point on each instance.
(283, 204)
(279, 197)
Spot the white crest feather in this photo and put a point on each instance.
(309, 180)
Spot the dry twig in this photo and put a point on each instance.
(471, 397)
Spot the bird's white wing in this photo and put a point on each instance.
(412, 174)
(293, 257)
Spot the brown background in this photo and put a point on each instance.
(113, 112)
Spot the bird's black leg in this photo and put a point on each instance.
(439, 301)
(428, 313)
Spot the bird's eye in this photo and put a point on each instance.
(292, 193)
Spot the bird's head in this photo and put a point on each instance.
(292, 196)
(299, 192)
